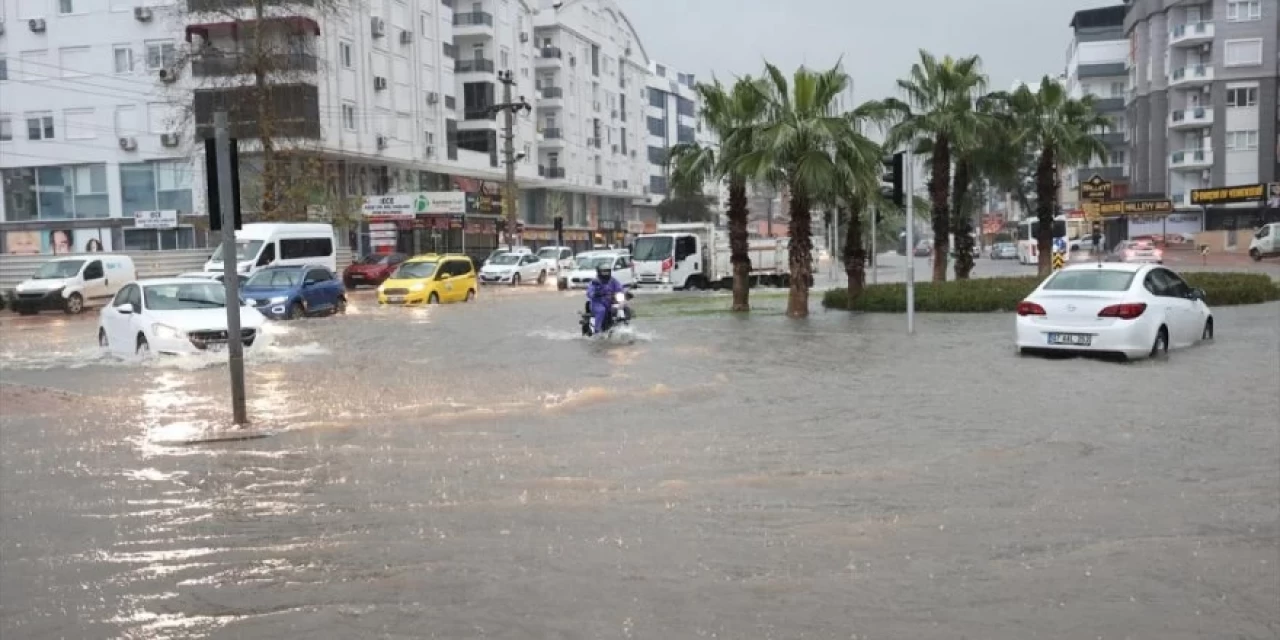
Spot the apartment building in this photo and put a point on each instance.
(1203, 109)
(104, 105)
(671, 118)
(1097, 60)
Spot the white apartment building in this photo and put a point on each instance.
(672, 118)
(1097, 59)
(104, 107)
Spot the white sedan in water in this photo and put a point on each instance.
(513, 269)
(172, 316)
(1129, 309)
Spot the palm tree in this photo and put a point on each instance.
(986, 157)
(728, 113)
(818, 155)
(1061, 130)
(938, 110)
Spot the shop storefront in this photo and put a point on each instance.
(546, 236)
(611, 233)
(431, 222)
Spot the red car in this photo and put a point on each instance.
(372, 269)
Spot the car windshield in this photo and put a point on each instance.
(414, 270)
(185, 295)
(245, 250)
(58, 269)
(1090, 280)
(549, 254)
(653, 248)
(597, 262)
(276, 278)
(506, 258)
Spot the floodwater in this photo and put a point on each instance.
(478, 471)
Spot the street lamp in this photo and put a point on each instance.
(509, 157)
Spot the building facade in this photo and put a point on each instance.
(104, 106)
(1097, 66)
(1203, 107)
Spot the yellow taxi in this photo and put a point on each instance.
(430, 279)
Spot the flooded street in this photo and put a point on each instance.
(479, 471)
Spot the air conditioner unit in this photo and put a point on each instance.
(168, 76)
(524, 36)
(379, 83)
(169, 139)
(431, 151)
(433, 98)
(128, 144)
(382, 142)
(36, 25)
(142, 14)
(406, 37)
(377, 27)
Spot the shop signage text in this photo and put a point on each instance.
(167, 219)
(408, 204)
(1228, 195)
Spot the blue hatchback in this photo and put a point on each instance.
(292, 292)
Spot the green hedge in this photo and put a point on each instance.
(1003, 294)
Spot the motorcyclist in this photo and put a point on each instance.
(600, 294)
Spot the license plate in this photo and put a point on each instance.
(1071, 339)
(395, 299)
(356, 276)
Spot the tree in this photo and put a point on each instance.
(803, 144)
(1060, 129)
(728, 113)
(686, 208)
(938, 112)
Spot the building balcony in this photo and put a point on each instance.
(1191, 35)
(281, 27)
(293, 111)
(551, 172)
(551, 98)
(1191, 160)
(220, 66)
(1193, 76)
(551, 138)
(1108, 105)
(473, 65)
(1111, 138)
(1196, 118)
(472, 23)
(479, 113)
(220, 6)
(450, 50)
(549, 57)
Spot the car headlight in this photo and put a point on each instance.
(417, 286)
(165, 332)
(278, 300)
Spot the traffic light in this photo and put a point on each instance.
(891, 183)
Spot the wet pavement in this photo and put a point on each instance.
(478, 471)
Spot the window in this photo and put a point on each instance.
(4, 68)
(1117, 89)
(151, 186)
(74, 61)
(1244, 10)
(349, 117)
(159, 240)
(123, 55)
(684, 134)
(1242, 53)
(504, 57)
(1116, 158)
(161, 55)
(658, 127)
(295, 248)
(35, 65)
(66, 6)
(40, 127)
(684, 107)
(80, 124)
(6, 128)
(657, 98)
(93, 270)
(344, 53)
(1242, 97)
(658, 185)
(123, 295)
(1242, 140)
(56, 192)
(313, 275)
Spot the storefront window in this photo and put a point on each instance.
(151, 186)
(173, 186)
(137, 189)
(56, 193)
(159, 239)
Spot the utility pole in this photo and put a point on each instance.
(909, 168)
(509, 109)
(230, 265)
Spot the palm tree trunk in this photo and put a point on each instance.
(939, 179)
(1044, 208)
(738, 254)
(855, 255)
(801, 254)
(961, 225)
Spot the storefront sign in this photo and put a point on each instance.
(166, 219)
(408, 204)
(635, 226)
(1095, 188)
(1228, 195)
(484, 203)
(1093, 210)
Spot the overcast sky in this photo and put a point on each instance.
(879, 39)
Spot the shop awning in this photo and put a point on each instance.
(300, 24)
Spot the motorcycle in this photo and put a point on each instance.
(617, 320)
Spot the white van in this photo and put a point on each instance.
(73, 283)
(1265, 242)
(261, 245)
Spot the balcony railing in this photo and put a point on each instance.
(551, 52)
(550, 93)
(208, 66)
(215, 6)
(552, 134)
(450, 50)
(479, 113)
(1192, 158)
(474, 65)
(473, 18)
(1194, 74)
(552, 172)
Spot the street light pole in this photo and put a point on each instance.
(230, 266)
(509, 109)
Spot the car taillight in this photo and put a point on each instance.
(1128, 254)
(1123, 311)
(1030, 309)
(1159, 253)
(668, 264)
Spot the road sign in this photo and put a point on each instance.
(1058, 260)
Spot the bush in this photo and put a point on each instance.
(1003, 294)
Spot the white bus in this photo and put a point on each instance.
(261, 245)
(1029, 238)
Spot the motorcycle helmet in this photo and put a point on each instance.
(604, 272)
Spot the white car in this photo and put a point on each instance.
(556, 259)
(172, 316)
(216, 276)
(1130, 309)
(584, 269)
(513, 269)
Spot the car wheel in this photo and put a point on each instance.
(143, 348)
(74, 304)
(1161, 346)
(1256, 255)
(295, 311)
(515, 280)
(1208, 330)
(542, 277)
(341, 307)
(433, 298)
(102, 339)
(471, 295)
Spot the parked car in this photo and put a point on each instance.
(264, 244)
(513, 269)
(1141, 251)
(216, 276)
(172, 316)
(1004, 251)
(72, 283)
(503, 248)
(287, 293)
(584, 270)
(1131, 309)
(1265, 241)
(372, 269)
(924, 248)
(556, 259)
(430, 279)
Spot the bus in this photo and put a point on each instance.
(1028, 238)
